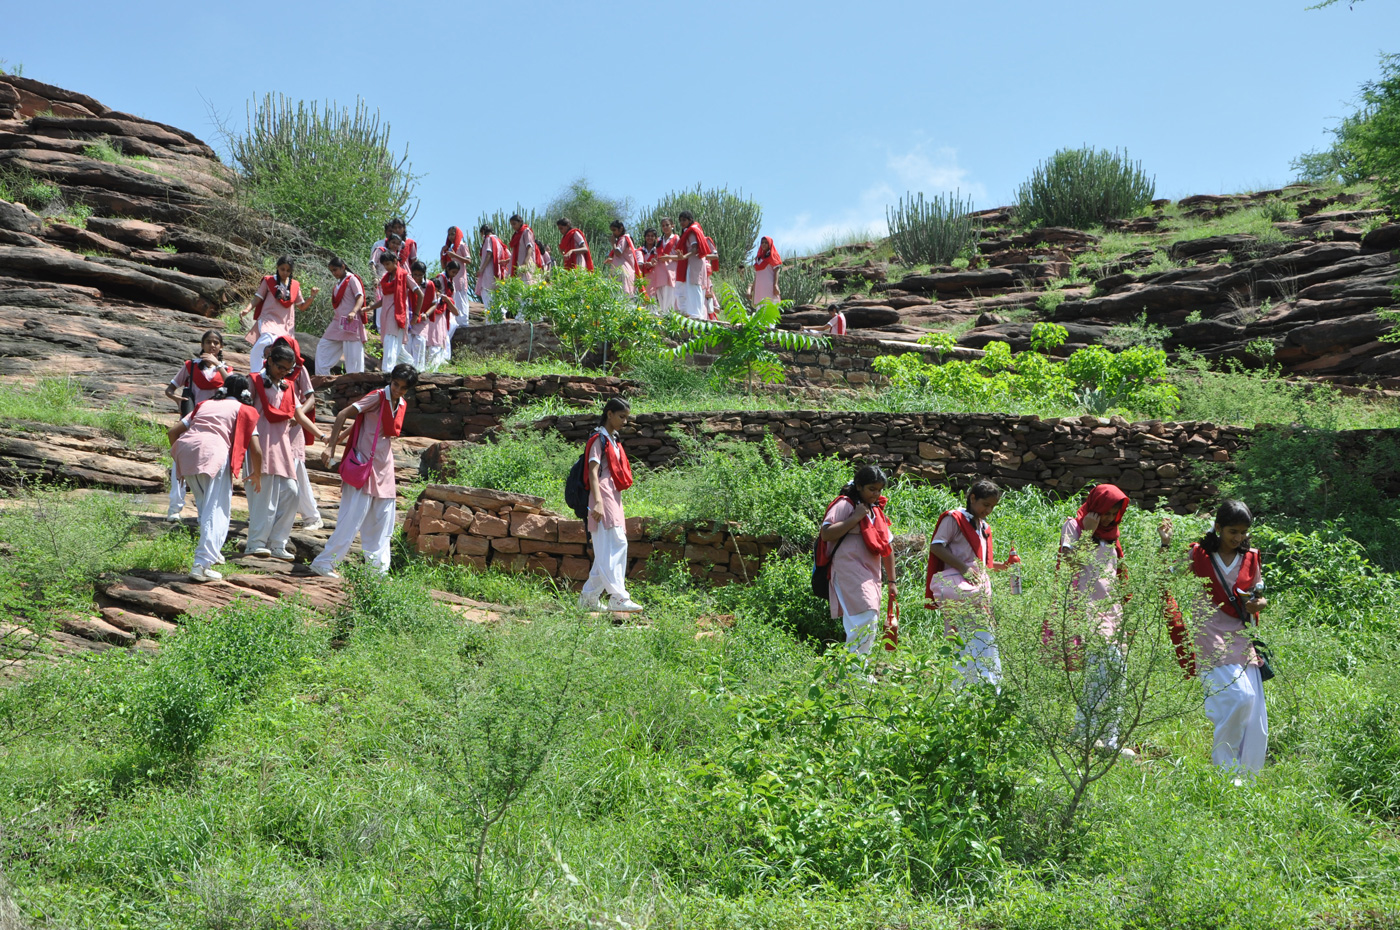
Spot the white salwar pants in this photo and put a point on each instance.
(213, 497)
(665, 298)
(1235, 704)
(690, 300)
(438, 356)
(258, 350)
(329, 353)
(271, 512)
(1097, 717)
(980, 659)
(609, 572)
(860, 627)
(418, 350)
(306, 500)
(458, 321)
(396, 350)
(372, 518)
(177, 494)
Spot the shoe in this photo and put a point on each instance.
(284, 555)
(219, 559)
(1127, 754)
(172, 517)
(324, 572)
(315, 524)
(202, 573)
(259, 551)
(628, 606)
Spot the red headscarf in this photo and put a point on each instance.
(1112, 503)
(396, 283)
(454, 242)
(771, 260)
(575, 239)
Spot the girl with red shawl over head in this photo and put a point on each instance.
(367, 510)
(623, 258)
(573, 245)
(197, 380)
(1232, 597)
(274, 308)
(525, 254)
(208, 446)
(456, 250)
(960, 554)
(441, 316)
(691, 251)
(765, 273)
(607, 474)
(855, 540)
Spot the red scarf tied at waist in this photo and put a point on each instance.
(574, 239)
(618, 465)
(982, 550)
(771, 260)
(285, 294)
(338, 294)
(395, 284)
(209, 382)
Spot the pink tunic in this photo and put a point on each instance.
(345, 325)
(667, 246)
(1222, 639)
(381, 481)
(486, 277)
(1095, 580)
(837, 324)
(278, 439)
(612, 497)
(524, 257)
(624, 258)
(182, 380)
(388, 326)
(439, 326)
(303, 389)
(204, 448)
(955, 592)
(275, 319)
(765, 284)
(694, 269)
(855, 570)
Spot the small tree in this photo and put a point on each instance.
(729, 218)
(587, 310)
(743, 337)
(936, 231)
(1082, 188)
(590, 211)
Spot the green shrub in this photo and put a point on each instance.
(728, 217)
(935, 231)
(245, 643)
(591, 212)
(742, 338)
(802, 285)
(588, 312)
(325, 169)
(1083, 188)
(782, 596)
(382, 604)
(175, 706)
(525, 461)
(58, 544)
(1365, 766)
(1137, 333)
(20, 185)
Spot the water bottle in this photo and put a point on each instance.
(1015, 575)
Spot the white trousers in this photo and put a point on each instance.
(329, 353)
(1097, 715)
(177, 493)
(306, 500)
(609, 573)
(271, 512)
(438, 356)
(980, 659)
(861, 626)
(372, 518)
(258, 350)
(690, 300)
(396, 350)
(418, 350)
(1235, 704)
(213, 496)
(458, 321)
(665, 298)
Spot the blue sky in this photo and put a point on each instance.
(823, 112)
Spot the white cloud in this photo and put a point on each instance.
(919, 169)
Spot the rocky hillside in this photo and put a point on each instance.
(119, 240)
(1309, 283)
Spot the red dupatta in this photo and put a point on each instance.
(407, 252)
(271, 283)
(453, 245)
(202, 381)
(285, 408)
(771, 260)
(980, 548)
(500, 259)
(714, 255)
(338, 294)
(702, 248)
(618, 464)
(515, 248)
(427, 299)
(396, 284)
(620, 252)
(390, 424)
(579, 241)
(875, 531)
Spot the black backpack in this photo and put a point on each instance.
(575, 491)
(821, 574)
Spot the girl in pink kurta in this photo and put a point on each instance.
(608, 474)
(274, 308)
(493, 266)
(208, 447)
(368, 511)
(441, 317)
(272, 508)
(765, 273)
(858, 539)
(345, 335)
(623, 257)
(196, 382)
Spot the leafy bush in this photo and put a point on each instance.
(382, 604)
(728, 217)
(174, 708)
(20, 185)
(325, 169)
(1365, 766)
(802, 285)
(782, 596)
(1083, 188)
(742, 338)
(935, 231)
(1137, 333)
(588, 312)
(56, 547)
(840, 783)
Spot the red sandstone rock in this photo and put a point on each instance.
(473, 546)
(487, 524)
(534, 526)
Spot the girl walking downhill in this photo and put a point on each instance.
(345, 334)
(607, 474)
(273, 503)
(197, 381)
(274, 308)
(858, 538)
(368, 488)
(959, 555)
(1231, 667)
(208, 446)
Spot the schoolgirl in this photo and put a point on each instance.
(623, 257)
(208, 446)
(573, 245)
(960, 553)
(300, 379)
(368, 488)
(607, 474)
(454, 256)
(858, 539)
(272, 507)
(398, 296)
(274, 308)
(441, 318)
(197, 380)
(494, 265)
(427, 301)
(345, 335)
(1230, 668)
(765, 274)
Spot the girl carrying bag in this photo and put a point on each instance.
(354, 470)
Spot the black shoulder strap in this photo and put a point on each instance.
(1218, 567)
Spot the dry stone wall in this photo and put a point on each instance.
(478, 528)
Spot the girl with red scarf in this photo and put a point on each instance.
(691, 252)
(1230, 573)
(858, 540)
(525, 255)
(607, 475)
(960, 554)
(369, 510)
(197, 380)
(493, 265)
(573, 245)
(623, 257)
(345, 334)
(455, 254)
(208, 446)
(283, 416)
(398, 301)
(274, 308)
(441, 318)
(765, 274)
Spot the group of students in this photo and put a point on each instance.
(257, 425)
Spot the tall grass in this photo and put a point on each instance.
(63, 402)
(1083, 188)
(936, 230)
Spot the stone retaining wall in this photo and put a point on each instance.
(465, 407)
(515, 533)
